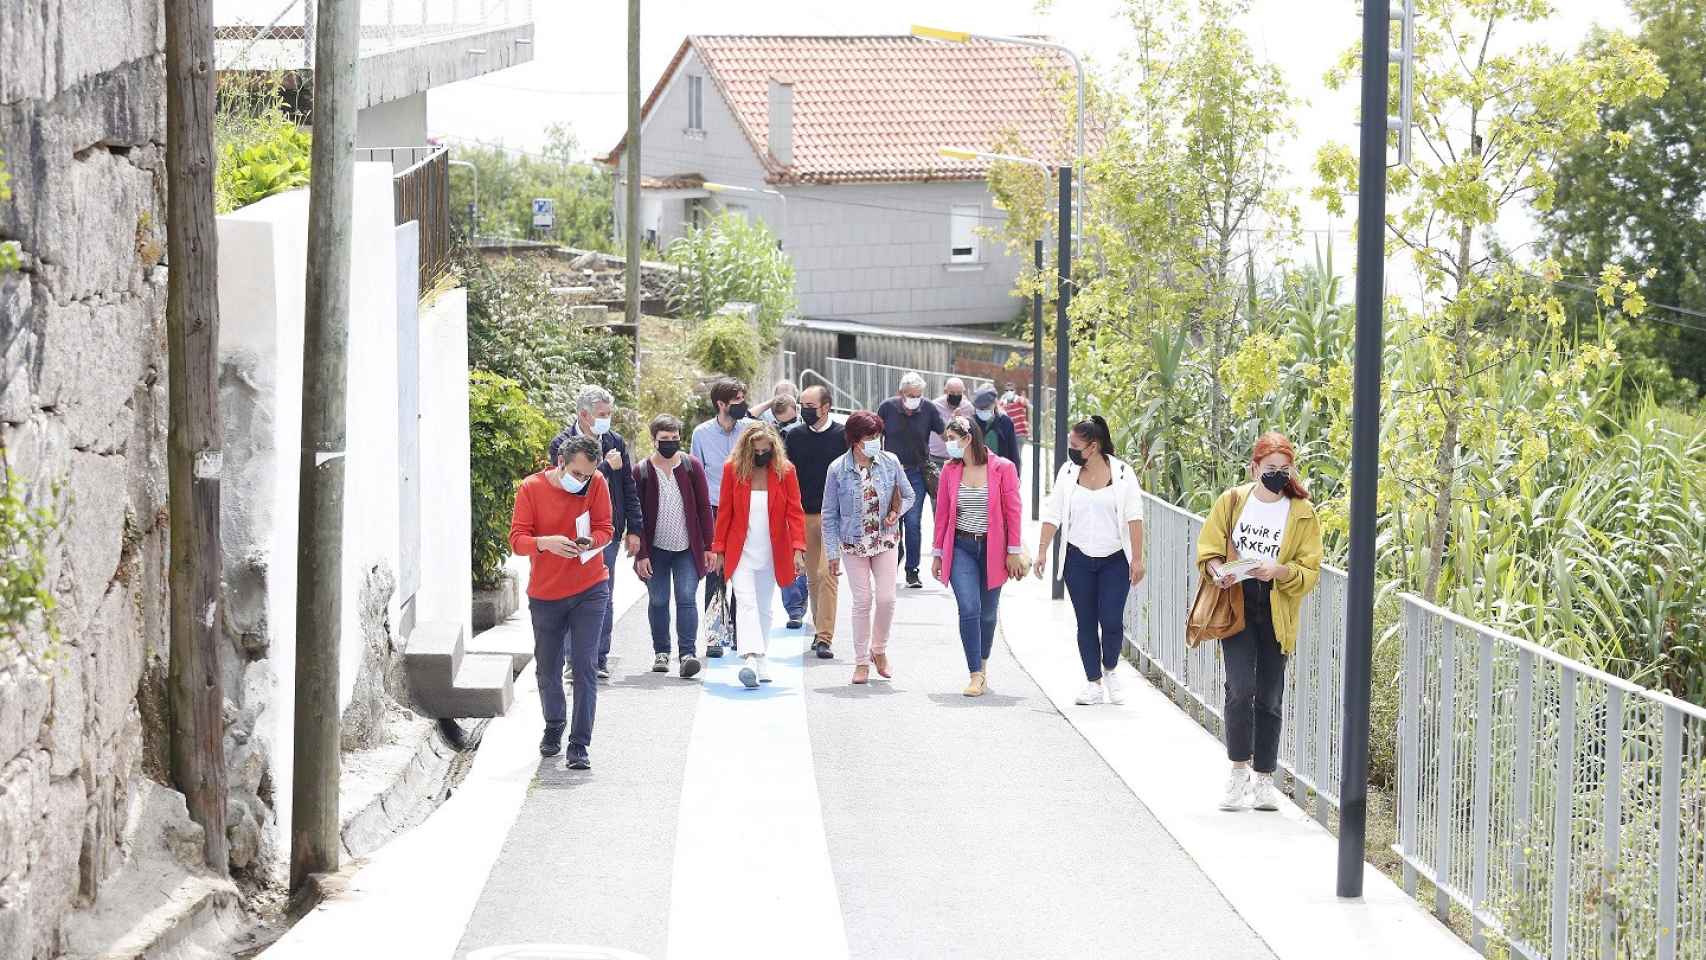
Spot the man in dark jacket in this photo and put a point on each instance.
(593, 407)
(998, 433)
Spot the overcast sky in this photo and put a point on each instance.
(580, 56)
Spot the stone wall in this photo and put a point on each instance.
(82, 420)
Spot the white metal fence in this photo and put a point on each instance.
(1314, 687)
(1564, 807)
(861, 385)
(279, 34)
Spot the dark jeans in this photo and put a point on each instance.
(1255, 684)
(674, 577)
(1098, 587)
(967, 576)
(912, 522)
(610, 551)
(573, 623)
(794, 597)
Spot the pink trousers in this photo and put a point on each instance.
(871, 627)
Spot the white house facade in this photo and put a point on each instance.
(835, 144)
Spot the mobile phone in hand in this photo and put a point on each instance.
(583, 542)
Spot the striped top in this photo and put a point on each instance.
(973, 512)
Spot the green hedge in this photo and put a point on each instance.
(727, 345)
(508, 439)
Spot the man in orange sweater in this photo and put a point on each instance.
(569, 586)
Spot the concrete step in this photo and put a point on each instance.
(513, 638)
(448, 682)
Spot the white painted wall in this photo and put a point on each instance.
(394, 123)
(262, 252)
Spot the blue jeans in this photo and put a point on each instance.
(674, 577)
(912, 522)
(569, 625)
(1098, 587)
(610, 550)
(977, 604)
(794, 597)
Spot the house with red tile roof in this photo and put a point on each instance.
(835, 143)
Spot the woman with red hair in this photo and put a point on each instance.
(865, 493)
(1270, 522)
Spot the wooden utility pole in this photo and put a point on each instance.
(314, 831)
(193, 431)
(631, 220)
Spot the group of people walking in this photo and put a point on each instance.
(782, 498)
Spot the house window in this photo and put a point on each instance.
(962, 233)
(695, 103)
(697, 215)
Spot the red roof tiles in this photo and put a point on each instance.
(869, 109)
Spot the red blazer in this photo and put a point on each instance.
(787, 521)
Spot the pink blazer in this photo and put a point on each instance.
(1005, 517)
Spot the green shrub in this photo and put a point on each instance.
(518, 329)
(8, 248)
(26, 603)
(732, 260)
(275, 161)
(508, 439)
(725, 345)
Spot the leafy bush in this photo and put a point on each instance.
(732, 260)
(724, 344)
(520, 330)
(8, 248)
(509, 181)
(259, 149)
(509, 436)
(26, 603)
(668, 377)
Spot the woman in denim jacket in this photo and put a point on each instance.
(865, 494)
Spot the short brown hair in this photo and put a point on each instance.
(726, 390)
(664, 423)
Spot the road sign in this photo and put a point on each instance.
(544, 213)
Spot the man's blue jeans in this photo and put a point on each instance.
(794, 597)
(913, 522)
(966, 575)
(571, 626)
(674, 577)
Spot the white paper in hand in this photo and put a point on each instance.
(1241, 569)
(583, 528)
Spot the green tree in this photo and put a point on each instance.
(510, 180)
(1493, 121)
(1643, 198)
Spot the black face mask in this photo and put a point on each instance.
(809, 416)
(785, 424)
(668, 448)
(1276, 480)
(1076, 456)
(955, 398)
(763, 457)
(738, 411)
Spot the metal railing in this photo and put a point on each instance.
(868, 384)
(1157, 610)
(420, 187)
(279, 34)
(1563, 807)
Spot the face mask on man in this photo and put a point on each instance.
(782, 424)
(808, 415)
(738, 411)
(956, 449)
(573, 484)
(668, 448)
(986, 415)
(910, 403)
(601, 426)
(1275, 480)
(763, 457)
(872, 447)
(955, 398)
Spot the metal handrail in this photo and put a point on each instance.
(833, 389)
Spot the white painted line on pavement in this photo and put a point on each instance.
(1276, 869)
(752, 871)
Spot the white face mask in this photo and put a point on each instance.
(601, 426)
(986, 415)
(571, 484)
(956, 449)
(911, 403)
(872, 447)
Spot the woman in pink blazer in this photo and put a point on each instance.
(977, 544)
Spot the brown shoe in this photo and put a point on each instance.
(882, 662)
(862, 673)
(975, 688)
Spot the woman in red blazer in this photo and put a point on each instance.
(977, 544)
(760, 541)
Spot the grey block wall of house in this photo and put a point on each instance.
(876, 253)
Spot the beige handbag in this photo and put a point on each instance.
(1217, 612)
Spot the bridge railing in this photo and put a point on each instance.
(867, 384)
(1314, 688)
(1565, 808)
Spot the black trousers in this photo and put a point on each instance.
(1255, 684)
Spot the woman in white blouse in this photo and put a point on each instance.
(1097, 509)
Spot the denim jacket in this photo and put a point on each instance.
(843, 514)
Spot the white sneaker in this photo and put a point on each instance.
(1263, 796)
(1237, 789)
(1092, 694)
(1112, 682)
(748, 675)
(761, 665)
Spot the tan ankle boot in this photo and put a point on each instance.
(975, 688)
(861, 673)
(882, 662)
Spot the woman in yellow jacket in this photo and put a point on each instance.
(1269, 520)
